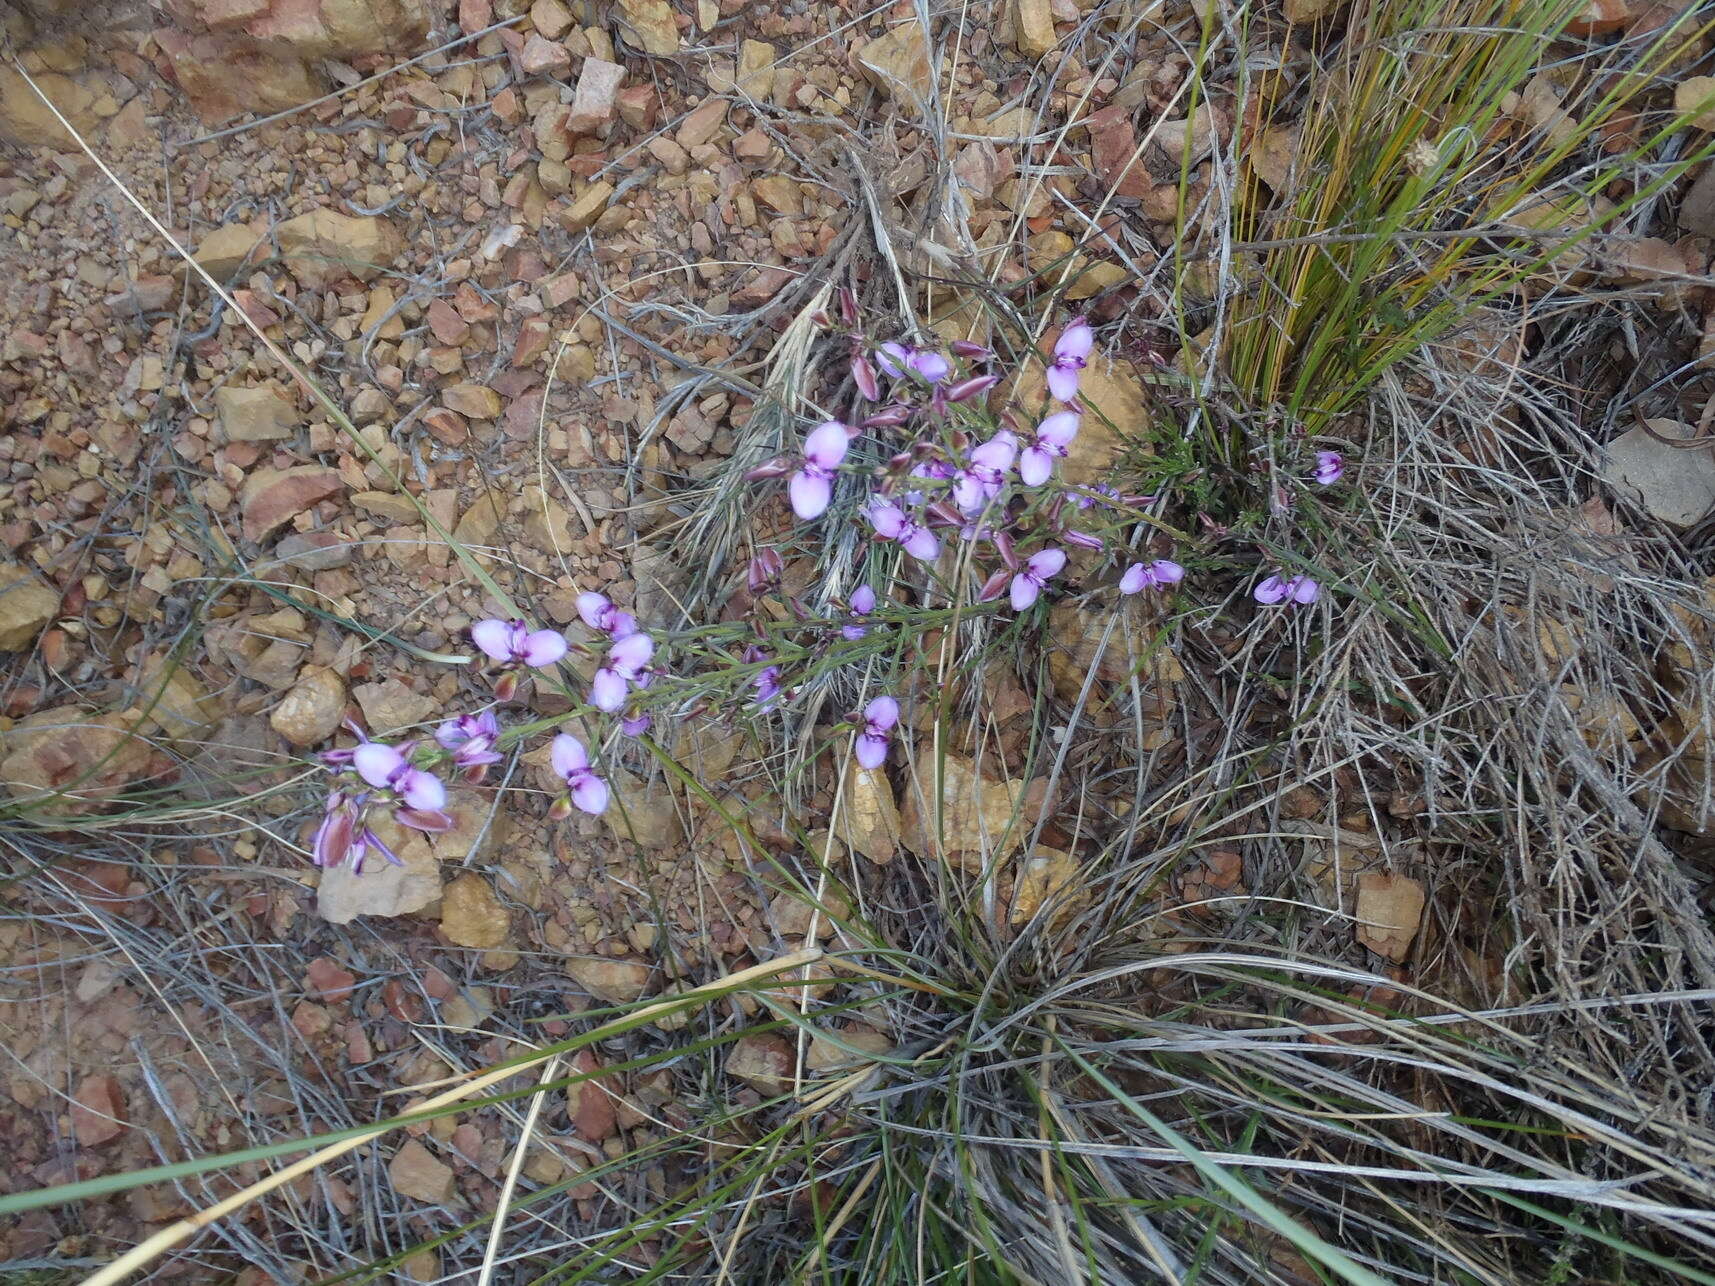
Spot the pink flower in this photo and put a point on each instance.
(766, 681)
(626, 666)
(891, 523)
(343, 837)
(1082, 539)
(1330, 465)
(879, 716)
(1157, 575)
(599, 613)
(512, 643)
(896, 358)
(862, 604)
(636, 725)
(929, 471)
(1053, 436)
(984, 475)
(572, 762)
(812, 487)
(389, 768)
(1070, 353)
(471, 738)
(1277, 589)
(1030, 580)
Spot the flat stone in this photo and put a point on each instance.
(650, 25)
(1113, 148)
(596, 102)
(228, 248)
(98, 1111)
(389, 506)
(256, 414)
(314, 551)
(1672, 484)
(25, 120)
(1033, 27)
(224, 74)
(588, 207)
(471, 916)
(898, 63)
(312, 708)
(701, 124)
(416, 1175)
(550, 18)
(390, 705)
(324, 246)
(26, 607)
(272, 497)
(383, 889)
(544, 57)
(473, 401)
(616, 981)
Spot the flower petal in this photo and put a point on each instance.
(494, 638)
(1063, 382)
(1166, 571)
(429, 820)
(1045, 563)
(1035, 466)
(892, 358)
(333, 838)
(931, 366)
(810, 494)
(595, 609)
(1023, 591)
(1135, 580)
(921, 543)
(997, 453)
(423, 791)
(607, 690)
(1059, 429)
(887, 519)
(542, 648)
(870, 751)
(376, 763)
(882, 713)
(826, 444)
(590, 794)
(1076, 340)
(453, 733)
(863, 600)
(1271, 590)
(631, 654)
(1304, 590)
(567, 755)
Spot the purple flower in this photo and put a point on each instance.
(896, 358)
(1082, 539)
(879, 716)
(342, 836)
(599, 613)
(767, 684)
(572, 762)
(929, 470)
(1330, 465)
(626, 666)
(862, 604)
(471, 738)
(636, 725)
(891, 523)
(984, 475)
(1278, 589)
(1070, 353)
(1053, 436)
(388, 768)
(930, 365)
(812, 487)
(512, 643)
(1030, 580)
(1157, 575)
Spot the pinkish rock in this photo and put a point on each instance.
(98, 1113)
(1113, 147)
(637, 106)
(273, 497)
(225, 76)
(594, 106)
(541, 57)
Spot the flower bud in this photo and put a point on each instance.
(821, 319)
(994, 586)
(1082, 539)
(777, 468)
(888, 417)
(1003, 547)
(764, 571)
(848, 306)
(964, 390)
(506, 686)
(973, 351)
(863, 375)
(560, 809)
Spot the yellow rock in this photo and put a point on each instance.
(869, 819)
(471, 916)
(974, 824)
(898, 63)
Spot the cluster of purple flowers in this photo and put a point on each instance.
(989, 491)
